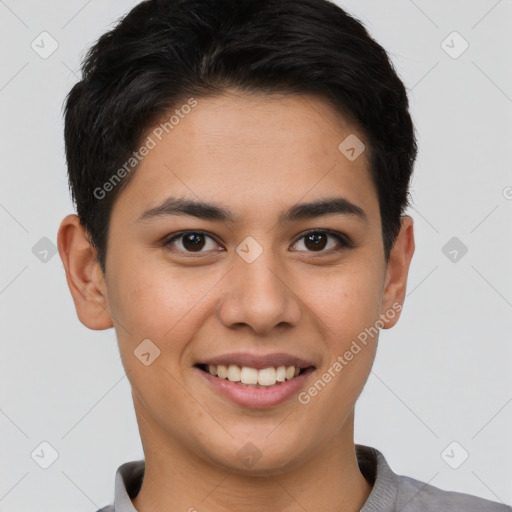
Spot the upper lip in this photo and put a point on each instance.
(257, 361)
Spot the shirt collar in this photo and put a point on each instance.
(376, 470)
(372, 463)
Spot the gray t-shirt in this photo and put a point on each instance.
(390, 493)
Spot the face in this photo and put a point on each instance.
(255, 279)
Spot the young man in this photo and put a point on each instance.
(240, 170)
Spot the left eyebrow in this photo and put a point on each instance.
(207, 211)
(328, 206)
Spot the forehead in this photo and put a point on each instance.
(258, 151)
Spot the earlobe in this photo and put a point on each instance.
(83, 274)
(397, 271)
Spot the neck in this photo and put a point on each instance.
(175, 479)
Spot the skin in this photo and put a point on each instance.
(256, 155)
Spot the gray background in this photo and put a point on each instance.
(443, 374)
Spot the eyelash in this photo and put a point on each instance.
(344, 241)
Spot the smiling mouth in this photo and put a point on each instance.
(263, 378)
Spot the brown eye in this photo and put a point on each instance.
(317, 241)
(191, 242)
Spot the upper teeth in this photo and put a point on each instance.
(245, 375)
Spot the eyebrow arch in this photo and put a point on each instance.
(189, 207)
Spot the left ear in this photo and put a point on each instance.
(396, 275)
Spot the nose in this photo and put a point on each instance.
(259, 296)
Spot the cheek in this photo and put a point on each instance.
(348, 311)
(345, 301)
(152, 299)
(346, 305)
(160, 303)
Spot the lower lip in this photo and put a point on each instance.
(257, 398)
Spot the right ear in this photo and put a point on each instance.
(83, 274)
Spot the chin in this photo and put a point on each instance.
(259, 455)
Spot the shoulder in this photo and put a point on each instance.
(108, 508)
(417, 496)
(392, 492)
